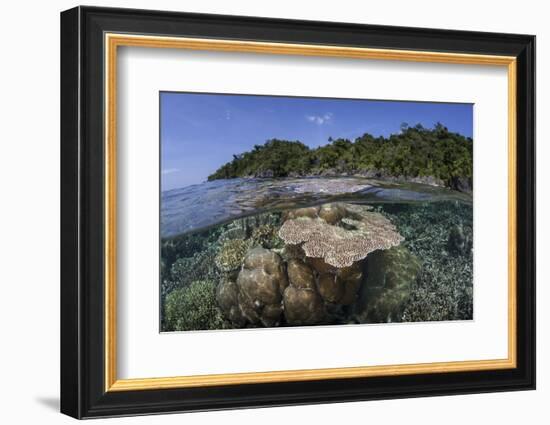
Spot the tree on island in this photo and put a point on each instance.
(414, 152)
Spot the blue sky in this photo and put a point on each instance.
(201, 132)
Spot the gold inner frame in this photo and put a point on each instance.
(113, 41)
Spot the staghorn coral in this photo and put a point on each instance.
(359, 232)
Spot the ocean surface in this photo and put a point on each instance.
(200, 206)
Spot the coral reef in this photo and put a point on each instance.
(260, 229)
(340, 246)
(172, 249)
(332, 213)
(443, 290)
(288, 252)
(261, 283)
(193, 308)
(186, 270)
(309, 212)
(336, 263)
(303, 306)
(300, 274)
(330, 289)
(266, 236)
(351, 279)
(458, 242)
(231, 255)
(391, 274)
(227, 296)
(318, 275)
(299, 287)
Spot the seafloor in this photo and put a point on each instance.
(337, 263)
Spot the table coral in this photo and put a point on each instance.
(357, 234)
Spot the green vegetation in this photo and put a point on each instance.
(276, 158)
(415, 152)
(193, 308)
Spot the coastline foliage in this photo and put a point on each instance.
(414, 152)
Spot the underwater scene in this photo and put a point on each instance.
(287, 211)
(315, 251)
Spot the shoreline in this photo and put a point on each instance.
(460, 184)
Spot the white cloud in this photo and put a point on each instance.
(320, 119)
(170, 170)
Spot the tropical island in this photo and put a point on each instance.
(298, 231)
(435, 156)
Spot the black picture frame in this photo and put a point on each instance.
(83, 392)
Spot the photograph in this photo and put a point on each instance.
(286, 210)
(280, 211)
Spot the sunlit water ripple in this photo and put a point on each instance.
(210, 203)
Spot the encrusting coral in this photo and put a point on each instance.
(358, 233)
(388, 285)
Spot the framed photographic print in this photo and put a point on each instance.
(261, 212)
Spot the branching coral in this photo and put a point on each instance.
(265, 235)
(188, 269)
(231, 255)
(193, 308)
(340, 246)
